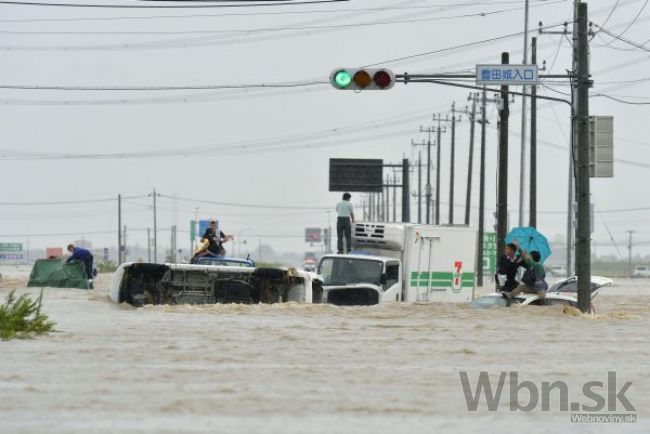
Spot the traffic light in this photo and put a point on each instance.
(362, 79)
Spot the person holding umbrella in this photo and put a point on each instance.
(534, 279)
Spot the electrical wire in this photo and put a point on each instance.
(255, 3)
(287, 12)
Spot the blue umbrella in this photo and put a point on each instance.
(530, 239)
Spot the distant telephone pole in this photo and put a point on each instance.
(629, 253)
(452, 163)
(481, 193)
(439, 132)
(119, 229)
(155, 227)
(428, 185)
(470, 164)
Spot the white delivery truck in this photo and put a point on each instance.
(401, 262)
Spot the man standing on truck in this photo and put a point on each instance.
(81, 255)
(345, 214)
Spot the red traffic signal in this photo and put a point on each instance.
(362, 79)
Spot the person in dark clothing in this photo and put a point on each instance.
(507, 266)
(81, 255)
(215, 239)
(344, 222)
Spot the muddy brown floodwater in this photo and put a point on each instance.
(304, 369)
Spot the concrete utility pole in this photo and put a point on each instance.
(155, 229)
(119, 229)
(502, 182)
(428, 185)
(629, 253)
(452, 163)
(532, 220)
(394, 197)
(419, 186)
(406, 190)
(522, 163)
(124, 243)
(481, 193)
(148, 245)
(470, 163)
(582, 83)
(439, 132)
(387, 202)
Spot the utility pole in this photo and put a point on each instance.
(419, 186)
(439, 132)
(406, 190)
(582, 83)
(470, 164)
(119, 229)
(155, 229)
(394, 197)
(629, 253)
(148, 244)
(481, 193)
(428, 188)
(124, 243)
(387, 203)
(452, 163)
(522, 161)
(532, 220)
(502, 182)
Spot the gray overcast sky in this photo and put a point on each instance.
(242, 46)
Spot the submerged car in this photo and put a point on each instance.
(641, 271)
(562, 292)
(142, 283)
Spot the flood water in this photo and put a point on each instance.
(294, 368)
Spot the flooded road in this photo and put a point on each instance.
(313, 368)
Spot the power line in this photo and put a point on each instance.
(255, 3)
(254, 30)
(67, 202)
(244, 205)
(287, 12)
(210, 40)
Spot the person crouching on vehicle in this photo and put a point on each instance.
(81, 255)
(215, 239)
(506, 275)
(534, 279)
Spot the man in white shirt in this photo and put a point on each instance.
(345, 213)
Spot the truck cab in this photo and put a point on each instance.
(402, 262)
(360, 280)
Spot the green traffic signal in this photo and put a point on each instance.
(342, 79)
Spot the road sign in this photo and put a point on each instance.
(363, 175)
(11, 252)
(490, 253)
(601, 146)
(506, 75)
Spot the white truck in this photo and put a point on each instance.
(401, 262)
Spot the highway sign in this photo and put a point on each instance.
(506, 75)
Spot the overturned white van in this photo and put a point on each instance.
(145, 283)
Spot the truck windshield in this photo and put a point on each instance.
(343, 271)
